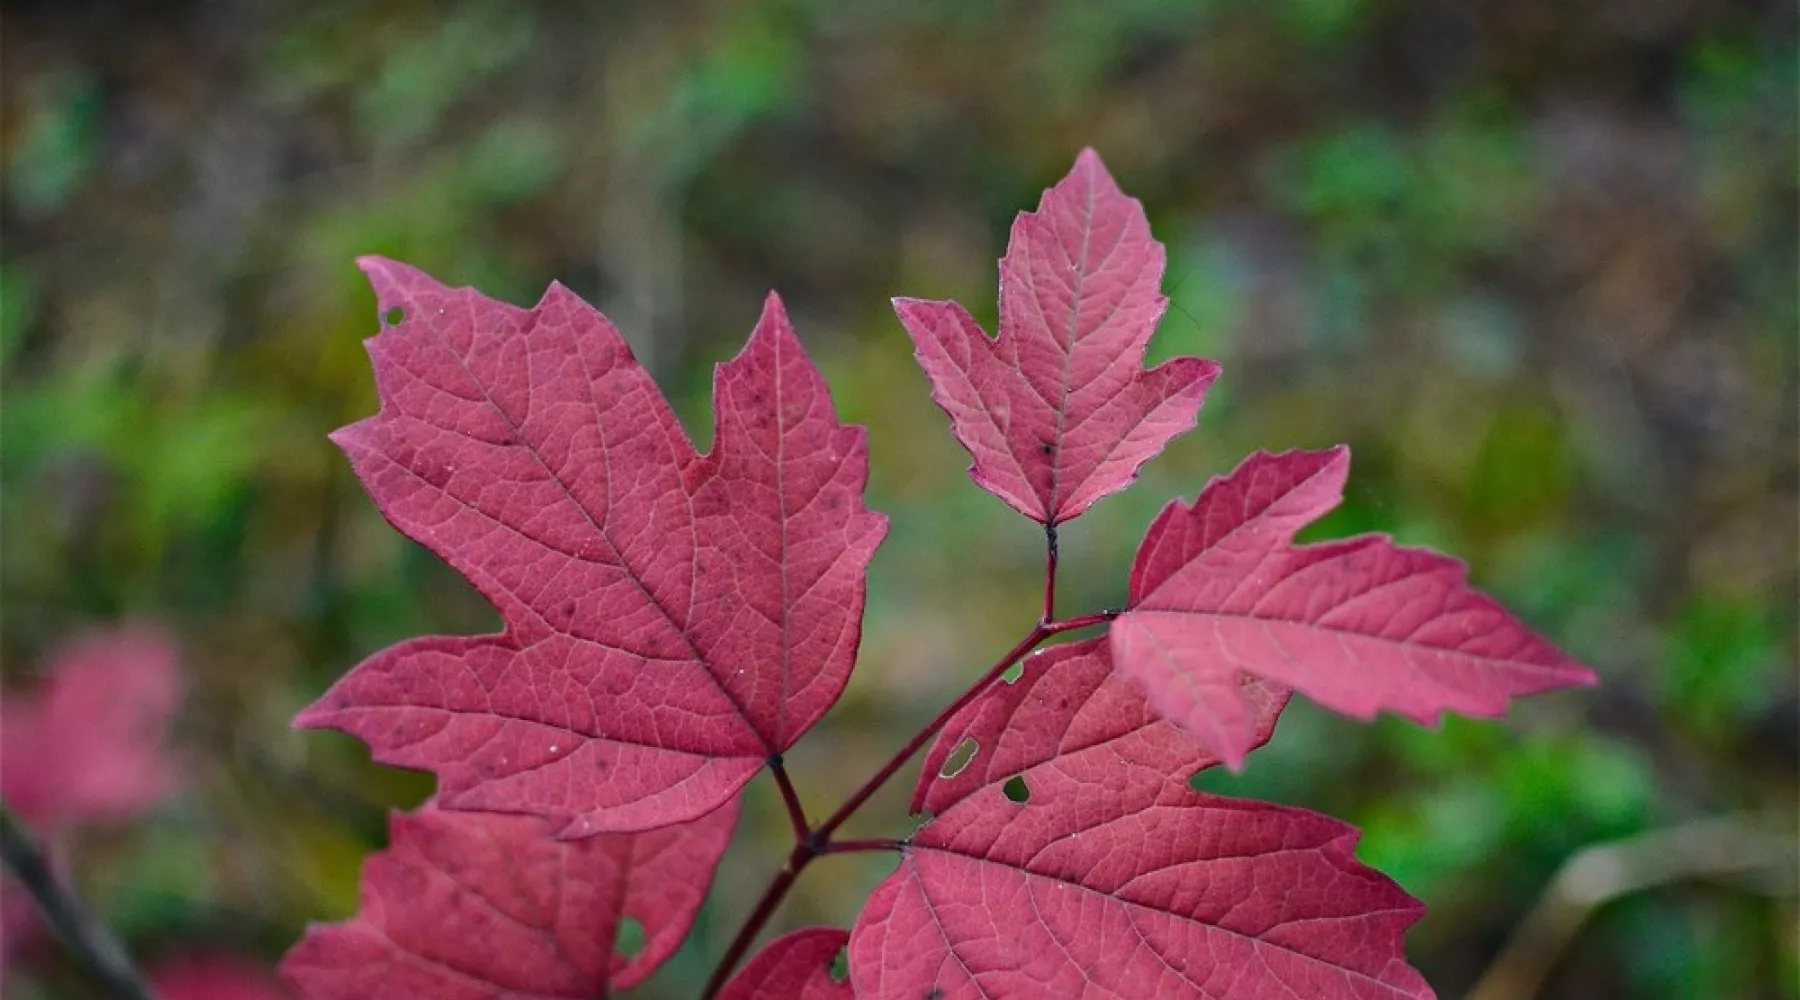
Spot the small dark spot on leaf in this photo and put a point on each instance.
(568, 610)
(1046, 449)
(433, 471)
(1016, 790)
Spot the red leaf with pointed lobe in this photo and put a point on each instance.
(488, 906)
(87, 746)
(672, 619)
(795, 967)
(1114, 878)
(1067, 701)
(1220, 592)
(1058, 411)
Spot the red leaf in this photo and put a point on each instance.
(672, 619)
(214, 977)
(795, 967)
(1219, 593)
(1067, 702)
(1114, 878)
(1058, 411)
(87, 747)
(486, 906)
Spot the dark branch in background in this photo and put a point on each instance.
(1721, 848)
(83, 932)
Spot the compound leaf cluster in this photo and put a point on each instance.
(674, 621)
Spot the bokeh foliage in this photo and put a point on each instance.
(1534, 260)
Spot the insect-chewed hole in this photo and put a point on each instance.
(1012, 674)
(631, 938)
(960, 758)
(839, 966)
(393, 316)
(1017, 790)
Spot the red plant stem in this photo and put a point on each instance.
(1085, 621)
(1037, 634)
(791, 799)
(1050, 555)
(810, 843)
(858, 846)
(765, 908)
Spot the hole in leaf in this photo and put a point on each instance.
(394, 316)
(1016, 790)
(631, 939)
(839, 966)
(1012, 674)
(959, 758)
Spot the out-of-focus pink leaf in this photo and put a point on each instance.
(1058, 411)
(672, 619)
(87, 746)
(485, 906)
(1220, 593)
(214, 977)
(20, 929)
(1112, 877)
(795, 967)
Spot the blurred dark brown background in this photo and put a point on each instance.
(1534, 260)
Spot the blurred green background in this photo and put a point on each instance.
(1534, 260)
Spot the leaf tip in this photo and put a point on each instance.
(383, 272)
(773, 324)
(317, 715)
(1088, 160)
(1232, 754)
(370, 263)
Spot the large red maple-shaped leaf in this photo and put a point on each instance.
(1220, 593)
(1114, 879)
(672, 619)
(795, 967)
(487, 906)
(1058, 411)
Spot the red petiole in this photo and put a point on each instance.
(813, 842)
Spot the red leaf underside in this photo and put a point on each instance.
(672, 619)
(795, 967)
(1220, 593)
(1058, 411)
(486, 906)
(1114, 879)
